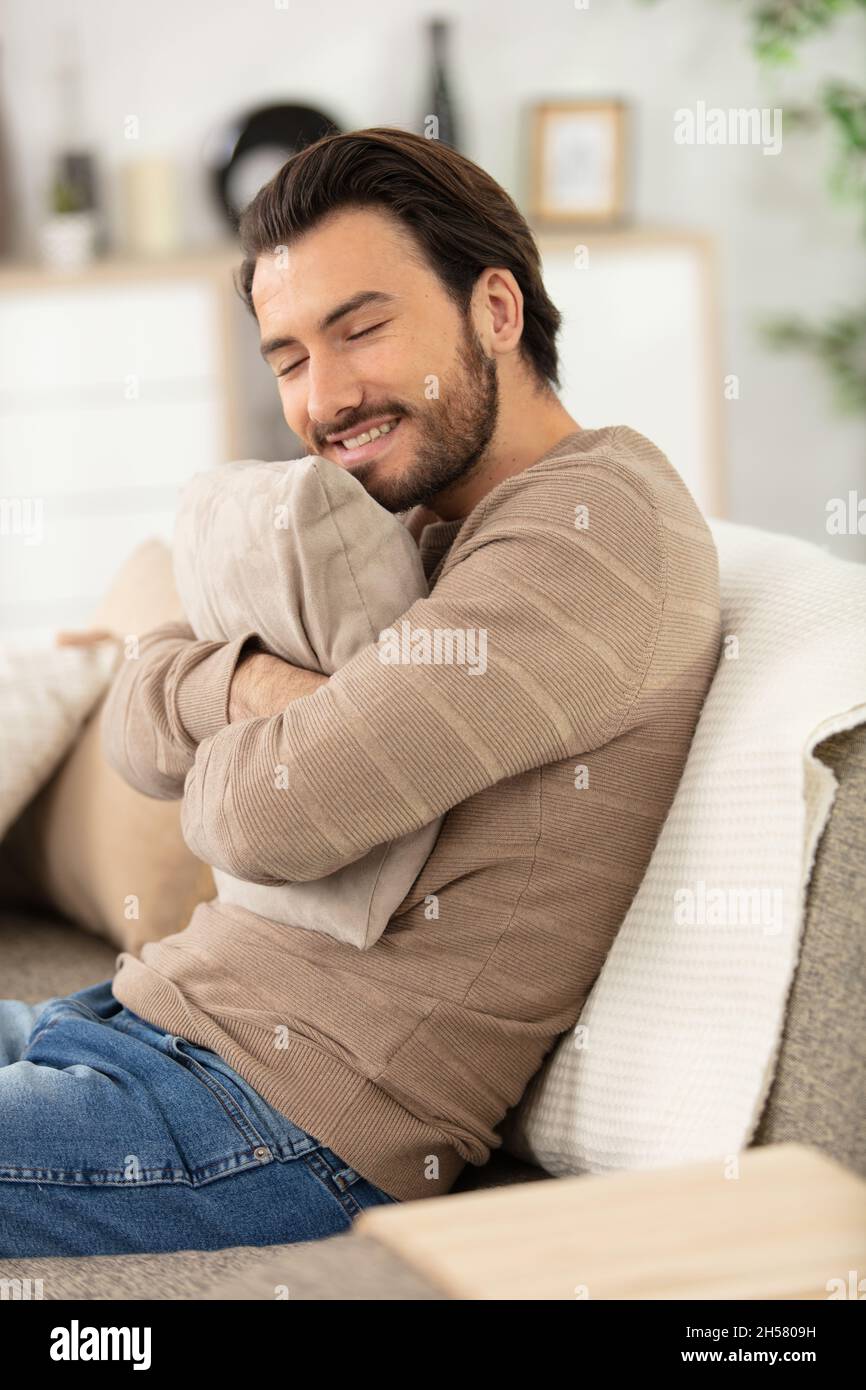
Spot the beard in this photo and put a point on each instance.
(454, 433)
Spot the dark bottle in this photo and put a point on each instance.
(441, 102)
(7, 207)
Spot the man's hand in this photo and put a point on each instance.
(85, 637)
(263, 685)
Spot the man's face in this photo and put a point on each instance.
(359, 332)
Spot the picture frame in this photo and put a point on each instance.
(578, 162)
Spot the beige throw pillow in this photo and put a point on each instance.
(300, 553)
(89, 845)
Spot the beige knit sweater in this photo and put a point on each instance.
(594, 578)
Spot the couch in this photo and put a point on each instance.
(816, 1097)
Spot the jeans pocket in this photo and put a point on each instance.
(287, 1139)
(230, 1103)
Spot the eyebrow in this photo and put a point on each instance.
(357, 301)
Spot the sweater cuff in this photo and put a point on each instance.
(202, 695)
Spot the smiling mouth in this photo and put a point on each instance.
(367, 443)
(364, 437)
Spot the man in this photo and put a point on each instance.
(240, 1083)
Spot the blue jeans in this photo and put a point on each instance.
(117, 1137)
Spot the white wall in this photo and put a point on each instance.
(182, 66)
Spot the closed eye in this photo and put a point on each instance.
(363, 333)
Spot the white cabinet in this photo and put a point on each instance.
(639, 343)
(115, 387)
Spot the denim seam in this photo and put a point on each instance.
(63, 1177)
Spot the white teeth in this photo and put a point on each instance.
(368, 436)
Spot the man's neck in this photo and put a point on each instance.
(527, 435)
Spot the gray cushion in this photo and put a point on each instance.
(818, 1095)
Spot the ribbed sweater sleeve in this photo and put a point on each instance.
(170, 692)
(569, 611)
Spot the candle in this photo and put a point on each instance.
(151, 206)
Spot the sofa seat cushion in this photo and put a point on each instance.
(346, 1266)
(43, 956)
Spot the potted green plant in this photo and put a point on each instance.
(67, 237)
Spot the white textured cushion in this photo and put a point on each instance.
(301, 554)
(46, 693)
(675, 1049)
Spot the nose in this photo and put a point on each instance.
(332, 390)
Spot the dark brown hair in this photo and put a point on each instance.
(461, 219)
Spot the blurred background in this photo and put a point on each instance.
(694, 172)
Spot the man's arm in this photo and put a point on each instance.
(169, 693)
(263, 684)
(558, 626)
(175, 690)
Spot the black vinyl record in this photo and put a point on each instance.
(252, 148)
